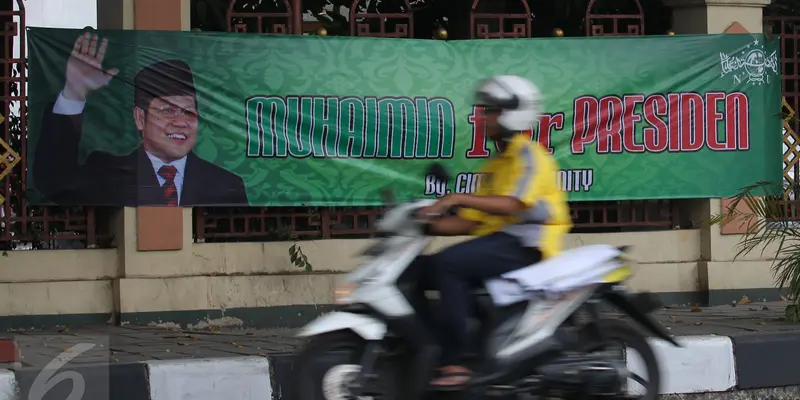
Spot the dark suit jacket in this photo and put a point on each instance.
(109, 180)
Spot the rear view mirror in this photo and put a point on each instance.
(439, 172)
(387, 196)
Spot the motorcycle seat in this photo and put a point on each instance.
(572, 268)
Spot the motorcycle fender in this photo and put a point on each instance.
(365, 326)
(624, 304)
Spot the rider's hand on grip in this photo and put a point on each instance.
(425, 215)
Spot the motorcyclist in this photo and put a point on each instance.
(519, 215)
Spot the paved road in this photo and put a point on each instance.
(784, 393)
(140, 343)
(725, 320)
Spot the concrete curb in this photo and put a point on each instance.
(198, 379)
(214, 378)
(704, 364)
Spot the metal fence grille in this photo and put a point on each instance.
(22, 226)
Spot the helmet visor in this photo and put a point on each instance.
(490, 102)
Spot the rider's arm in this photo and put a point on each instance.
(460, 224)
(494, 205)
(452, 226)
(513, 198)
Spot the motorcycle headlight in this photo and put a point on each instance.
(343, 294)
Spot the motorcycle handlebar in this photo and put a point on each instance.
(452, 211)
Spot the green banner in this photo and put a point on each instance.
(142, 118)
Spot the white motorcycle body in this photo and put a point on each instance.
(529, 342)
(553, 289)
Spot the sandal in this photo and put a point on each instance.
(451, 379)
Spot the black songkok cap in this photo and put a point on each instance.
(162, 79)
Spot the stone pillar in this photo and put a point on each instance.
(115, 14)
(724, 278)
(158, 228)
(162, 15)
(149, 239)
(715, 16)
(156, 15)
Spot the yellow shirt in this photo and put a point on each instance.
(528, 172)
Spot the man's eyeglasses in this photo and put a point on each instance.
(174, 112)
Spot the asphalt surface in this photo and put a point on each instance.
(125, 344)
(784, 393)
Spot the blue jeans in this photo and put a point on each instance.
(455, 271)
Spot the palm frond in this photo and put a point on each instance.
(786, 268)
(771, 225)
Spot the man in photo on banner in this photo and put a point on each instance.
(163, 170)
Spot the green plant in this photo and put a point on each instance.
(771, 222)
(298, 258)
(296, 255)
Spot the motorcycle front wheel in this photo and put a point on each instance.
(328, 368)
(635, 344)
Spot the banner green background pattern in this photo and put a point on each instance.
(229, 69)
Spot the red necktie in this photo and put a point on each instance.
(168, 172)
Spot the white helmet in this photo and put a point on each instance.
(518, 99)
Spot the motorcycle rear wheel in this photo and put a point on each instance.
(618, 332)
(329, 362)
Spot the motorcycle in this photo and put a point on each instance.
(540, 328)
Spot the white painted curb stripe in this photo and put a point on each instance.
(245, 378)
(8, 385)
(704, 364)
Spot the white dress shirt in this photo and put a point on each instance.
(179, 165)
(64, 106)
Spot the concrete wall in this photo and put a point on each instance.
(255, 283)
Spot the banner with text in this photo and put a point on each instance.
(178, 118)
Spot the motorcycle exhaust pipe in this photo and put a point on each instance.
(589, 376)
